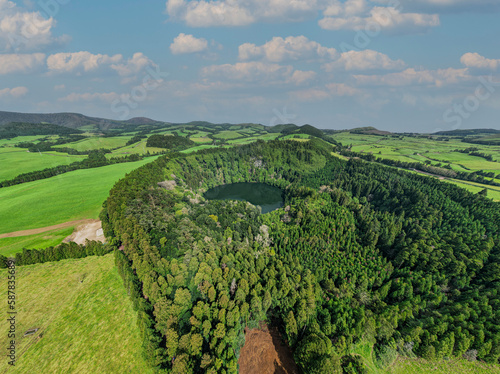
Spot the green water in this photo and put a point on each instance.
(267, 197)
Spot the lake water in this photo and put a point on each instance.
(267, 197)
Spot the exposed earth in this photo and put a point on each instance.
(85, 229)
(91, 230)
(45, 229)
(265, 353)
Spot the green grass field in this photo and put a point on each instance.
(97, 143)
(66, 197)
(16, 161)
(198, 148)
(201, 139)
(19, 139)
(493, 191)
(410, 149)
(137, 148)
(452, 366)
(86, 321)
(10, 246)
(405, 365)
(251, 139)
(226, 135)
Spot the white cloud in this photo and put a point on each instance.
(20, 63)
(188, 44)
(328, 91)
(60, 87)
(475, 60)
(299, 77)
(364, 60)
(79, 62)
(15, 92)
(133, 65)
(290, 48)
(108, 97)
(408, 77)
(356, 15)
(25, 31)
(240, 13)
(256, 71)
(341, 89)
(310, 94)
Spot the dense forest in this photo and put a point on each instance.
(168, 141)
(11, 130)
(359, 252)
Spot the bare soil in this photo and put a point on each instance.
(85, 229)
(265, 353)
(91, 230)
(45, 229)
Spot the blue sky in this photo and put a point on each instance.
(398, 65)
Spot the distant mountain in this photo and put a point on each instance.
(467, 132)
(71, 120)
(309, 130)
(142, 121)
(369, 131)
(283, 128)
(13, 129)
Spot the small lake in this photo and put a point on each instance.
(267, 197)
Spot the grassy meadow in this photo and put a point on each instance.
(433, 151)
(67, 197)
(406, 365)
(86, 321)
(97, 143)
(10, 246)
(16, 161)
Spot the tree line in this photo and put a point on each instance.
(95, 159)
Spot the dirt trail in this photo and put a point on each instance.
(264, 353)
(48, 228)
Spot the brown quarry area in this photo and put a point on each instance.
(265, 353)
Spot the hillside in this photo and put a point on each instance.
(466, 132)
(359, 252)
(85, 319)
(369, 131)
(72, 120)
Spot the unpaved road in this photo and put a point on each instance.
(86, 229)
(45, 229)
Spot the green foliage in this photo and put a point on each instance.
(61, 252)
(170, 142)
(13, 129)
(314, 355)
(359, 251)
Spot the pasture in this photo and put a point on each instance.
(67, 197)
(85, 319)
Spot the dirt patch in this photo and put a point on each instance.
(90, 230)
(45, 229)
(265, 353)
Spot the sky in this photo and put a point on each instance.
(398, 65)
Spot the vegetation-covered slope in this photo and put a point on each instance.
(359, 251)
(85, 320)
